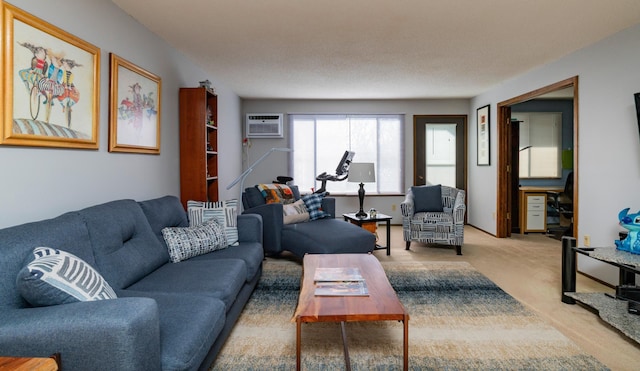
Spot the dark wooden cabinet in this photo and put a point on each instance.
(198, 145)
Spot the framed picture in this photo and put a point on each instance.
(50, 84)
(483, 135)
(134, 108)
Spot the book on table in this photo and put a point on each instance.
(340, 282)
(346, 274)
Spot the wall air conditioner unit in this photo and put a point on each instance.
(264, 125)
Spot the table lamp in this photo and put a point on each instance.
(362, 172)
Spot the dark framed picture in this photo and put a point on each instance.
(134, 108)
(483, 122)
(50, 84)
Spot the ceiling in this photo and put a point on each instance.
(376, 49)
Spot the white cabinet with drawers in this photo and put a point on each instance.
(536, 213)
(533, 208)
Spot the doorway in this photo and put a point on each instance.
(440, 150)
(508, 177)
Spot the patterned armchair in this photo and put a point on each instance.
(426, 220)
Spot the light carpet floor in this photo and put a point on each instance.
(460, 320)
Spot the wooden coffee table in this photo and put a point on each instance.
(381, 304)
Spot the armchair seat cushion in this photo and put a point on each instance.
(432, 222)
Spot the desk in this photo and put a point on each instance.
(533, 208)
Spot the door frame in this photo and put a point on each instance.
(505, 175)
(442, 119)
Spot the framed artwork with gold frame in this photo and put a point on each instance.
(50, 84)
(134, 108)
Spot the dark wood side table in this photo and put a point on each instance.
(370, 224)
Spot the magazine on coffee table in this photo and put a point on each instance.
(352, 288)
(345, 274)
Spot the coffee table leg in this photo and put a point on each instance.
(298, 333)
(406, 342)
(347, 361)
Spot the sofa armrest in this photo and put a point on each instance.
(117, 334)
(459, 208)
(250, 228)
(272, 223)
(406, 206)
(329, 206)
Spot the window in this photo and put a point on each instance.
(540, 144)
(319, 141)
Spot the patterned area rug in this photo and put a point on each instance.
(460, 320)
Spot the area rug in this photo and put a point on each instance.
(459, 320)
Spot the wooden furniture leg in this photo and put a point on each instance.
(298, 333)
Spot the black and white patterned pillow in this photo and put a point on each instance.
(53, 277)
(186, 242)
(225, 212)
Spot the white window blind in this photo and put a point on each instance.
(319, 141)
(540, 144)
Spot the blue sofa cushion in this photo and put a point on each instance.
(125, 247)
(251, 253)
(225, 212)
(327, 236)
(164, 212)
(53, 277)
(219, 278)
(427, 198)
(186, 242)
(67, 232)
(252, 198)
(189, 324)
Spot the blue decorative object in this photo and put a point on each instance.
(632, 223)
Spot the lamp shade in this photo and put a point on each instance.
(362, 172)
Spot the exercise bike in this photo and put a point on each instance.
(342, 172)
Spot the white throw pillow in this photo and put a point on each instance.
(295, 213)
(53, 277)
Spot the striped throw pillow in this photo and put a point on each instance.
(53, 277)
(225, 212)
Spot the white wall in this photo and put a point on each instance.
(39, 183)
(277, 163)
(608, 143)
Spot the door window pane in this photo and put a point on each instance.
(440, 154)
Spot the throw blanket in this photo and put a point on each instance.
(276, 193)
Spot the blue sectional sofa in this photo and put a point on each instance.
(168, 316)
(322, 236)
